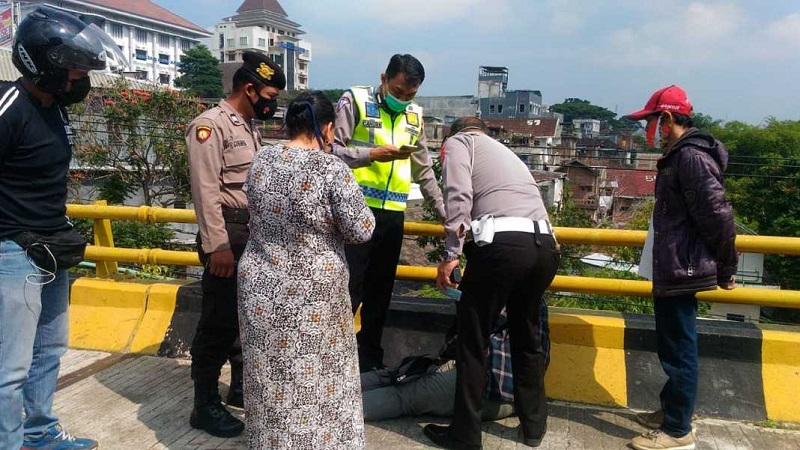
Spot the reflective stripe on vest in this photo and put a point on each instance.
(385, 184)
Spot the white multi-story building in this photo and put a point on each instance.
(152, 37)
(262, 26)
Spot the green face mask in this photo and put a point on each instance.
(394, 104)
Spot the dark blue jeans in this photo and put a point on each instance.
(677, 350)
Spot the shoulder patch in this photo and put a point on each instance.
(203, 133)
(343, 103)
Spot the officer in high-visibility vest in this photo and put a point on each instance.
(380, 134)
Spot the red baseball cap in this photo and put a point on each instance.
(671, 98)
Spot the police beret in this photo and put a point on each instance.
(263, 69)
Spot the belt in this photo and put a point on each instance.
(236, 215)
(521, 224)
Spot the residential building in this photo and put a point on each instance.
(152, 37)
(585, 181)
(448, 108)
(262, 26)
(531, 139)
(551, 187)
(496, 101)
(628, 189)
(586, 128)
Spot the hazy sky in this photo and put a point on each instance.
(738, 60)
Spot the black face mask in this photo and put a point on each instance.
(80, 89)
(55, 85)
(264, 108)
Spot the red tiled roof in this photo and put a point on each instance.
(261, 5)
(146, 8)
(633, 183)
(537, 127)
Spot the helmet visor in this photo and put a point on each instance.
(91, 49)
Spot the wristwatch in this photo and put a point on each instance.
(450, 256)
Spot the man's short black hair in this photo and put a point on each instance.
(242, 77)
(408, 65)
(682, 121)
(467, 122)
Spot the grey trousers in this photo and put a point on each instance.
(430, 395)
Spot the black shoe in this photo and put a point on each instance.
(441, 436)
(215, 420)
(534, 441)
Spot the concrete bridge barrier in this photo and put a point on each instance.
(747, 371)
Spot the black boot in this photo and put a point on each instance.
(210, 416)
(236, 391)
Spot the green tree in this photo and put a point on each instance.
(764, 186)
(576, 108)
(130, 141)
(200, 73)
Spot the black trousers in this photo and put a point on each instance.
(373, 266)
(514, 272)
(217, 336)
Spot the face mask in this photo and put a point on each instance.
(394, 104)
(264, 108)
(80, 89)
(657, 133)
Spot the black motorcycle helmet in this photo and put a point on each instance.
(49, 42)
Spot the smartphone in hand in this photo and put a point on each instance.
(409, 148)
(455, 277)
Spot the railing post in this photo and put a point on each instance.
(103, 237)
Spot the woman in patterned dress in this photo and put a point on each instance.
(301, 381)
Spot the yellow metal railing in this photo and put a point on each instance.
(107, 256)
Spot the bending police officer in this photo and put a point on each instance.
(512, 257)
(222, 143)
(380, 135)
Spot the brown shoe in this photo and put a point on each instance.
(652, 420)
(658, 440)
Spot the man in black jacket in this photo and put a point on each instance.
(693, 250)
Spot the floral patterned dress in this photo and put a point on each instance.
(301, 380)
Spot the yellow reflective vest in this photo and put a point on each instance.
(385, 184)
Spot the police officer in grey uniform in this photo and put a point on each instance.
(222, 143)
(494, 205)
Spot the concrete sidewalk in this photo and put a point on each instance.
(143, 402)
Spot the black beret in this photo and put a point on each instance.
(263, 69)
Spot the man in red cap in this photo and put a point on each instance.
(693, 250)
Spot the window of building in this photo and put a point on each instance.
(222, 56)
(141, 36)
(243, 40)
(163, 78)
(221, 41)
(163, 40)
(262, 42)
(499, 109)
(116, 30)
(186, 45)
(163, 58)
(231, 43)
(522, 108)
(491, 109)
(302, 66)
(231, 56)
(271, 42)
(281, 32)
(141, 55)
(587, 188)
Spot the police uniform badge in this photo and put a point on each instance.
(373, 110)
(235, 119)
(412, 118)
(203, 133)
